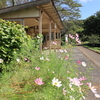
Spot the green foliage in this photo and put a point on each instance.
(91, 25)
(12, 36)
(92, 29)
(94, 40)
(68, 9)
(20, 79)
(2, 3)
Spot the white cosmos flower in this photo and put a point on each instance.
(18, 60)
(84, 64)
(1, 60)
(56, 82)
(38, 37)
(65, 50)
(61, 50)
(41, 58)
(97, 95)
(72, 98)
(93, 89)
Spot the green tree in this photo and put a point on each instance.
(68, 9)
(92, 25)
(2, 3)
(92, 29)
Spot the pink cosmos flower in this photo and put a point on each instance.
(76, 81)
(77, 38)
(92, 88)
(37, 68)
(64, 91)
(73, 37)
(69, 35)
(54, 43)
(66, 41)
(79, 42)
(47, 59)
(45, 47)
(66, 57)
(82, 78)
(39, 81)
(26, 59)
(77, 35)
(78, 62)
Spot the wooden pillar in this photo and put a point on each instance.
(55, 34)
(46, 39)
(50, 35)
(60, 38)
(40, 29)
(22, 21)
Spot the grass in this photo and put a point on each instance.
(94, 48)
(18, 79)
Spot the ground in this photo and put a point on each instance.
(91, 71)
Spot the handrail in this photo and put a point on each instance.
(10, 3)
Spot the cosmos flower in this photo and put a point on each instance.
(47, 59)
(65, 50)
(37, 68)
(72, 98)
(56, 82)
(41, 58)
(54, 43)
(64, 91)
(45, 47)
(84, 64)
(77, 35)
(92, 88)
(61, 50)
(66, 57)
(82, 78)
(18, 60)
(39, 81)
(78, 62)
(97, 95)
(76, 81)
(38, 37)
(1, 60)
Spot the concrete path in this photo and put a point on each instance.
(93, 56)
(91, 71)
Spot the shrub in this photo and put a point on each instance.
(12, 36)
(94, 40)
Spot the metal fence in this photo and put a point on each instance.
(9, 3)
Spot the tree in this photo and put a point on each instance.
(92, 25)
(68, 9)
(2, 3)
(92, 29)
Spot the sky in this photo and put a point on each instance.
(90, 7)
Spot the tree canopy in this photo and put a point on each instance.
(68, 9)
(92, 24)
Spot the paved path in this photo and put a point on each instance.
(92, 70)
(93, 56)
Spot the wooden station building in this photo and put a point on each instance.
(41, 17)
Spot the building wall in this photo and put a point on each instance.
(28, 12)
